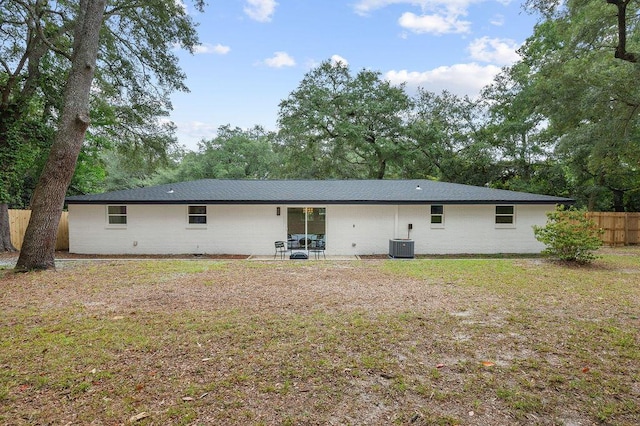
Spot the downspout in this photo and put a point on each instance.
(396, 222)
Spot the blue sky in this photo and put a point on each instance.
(254, 53)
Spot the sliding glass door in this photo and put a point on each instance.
(306, 227)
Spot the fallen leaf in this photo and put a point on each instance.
(117, 317)
(488, 363)
(440, 366)
(138, 417)
(585, 370)
(187, 398)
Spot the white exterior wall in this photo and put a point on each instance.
(350, 229)
(472, 229)
(467, 229)
(359, 229)
(164, 229)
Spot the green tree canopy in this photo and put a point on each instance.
(136, 71)
(336, 125)
(578, 99)
(234, 153)
(129, 69)
(449, 140)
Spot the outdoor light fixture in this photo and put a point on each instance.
(277, 211)
(170, 191)
(418, 188)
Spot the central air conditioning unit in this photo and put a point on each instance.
(401, 249)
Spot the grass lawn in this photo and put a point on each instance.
(421, 342)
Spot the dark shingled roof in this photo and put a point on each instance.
(212, 191)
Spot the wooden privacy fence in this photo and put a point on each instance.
(19, 219)
(620, 229)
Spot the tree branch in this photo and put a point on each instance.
(621, 48)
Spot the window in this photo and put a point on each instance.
(306, 227)
(308, 214)
(437, 216)
(117, 215)
(505, 215)
(197, 215)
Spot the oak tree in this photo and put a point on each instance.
(337, 125)
(116, 57)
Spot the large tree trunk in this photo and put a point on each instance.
(5, 230)
(38, 248)
(618, 200)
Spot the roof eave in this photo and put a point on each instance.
(328, 202)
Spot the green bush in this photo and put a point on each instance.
(569, 235)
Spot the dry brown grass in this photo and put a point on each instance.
(468, 342)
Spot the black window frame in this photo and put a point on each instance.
(117, 218)
(197, 214)
(437, 215)
(505, 214)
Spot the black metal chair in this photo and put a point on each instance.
(304, 243)
(317, 247)
(281, 249)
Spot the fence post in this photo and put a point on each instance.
(626, 230)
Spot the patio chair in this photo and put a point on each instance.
(317, 248)
(281, 249)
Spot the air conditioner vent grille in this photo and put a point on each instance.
(401, 249)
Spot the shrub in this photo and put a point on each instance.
(569, 235)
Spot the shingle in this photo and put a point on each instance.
(213, 191)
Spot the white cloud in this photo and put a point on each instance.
(260, 10)
(497, 51)
(189, 133)
(181, 4)
(363, 7)
(210, 48)
(435, 24)
(459, 79)
(335, 59)
(279, 60)
(434, 16)
(497, 20)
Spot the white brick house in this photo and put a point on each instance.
(348, 217)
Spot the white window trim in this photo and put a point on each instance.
(197, 225)
(116, 225)
(437, 225)
(505, 225)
